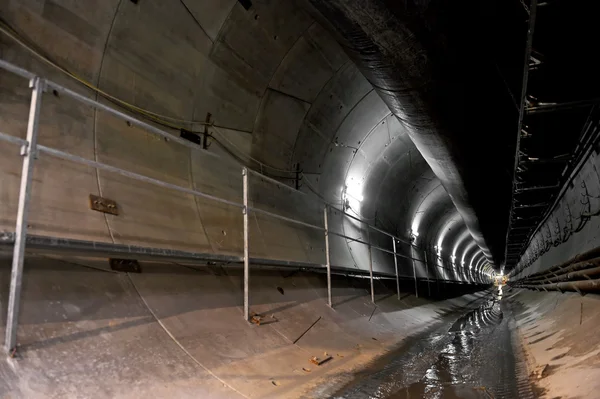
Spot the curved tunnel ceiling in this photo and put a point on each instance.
(280, 87)
(431, 78)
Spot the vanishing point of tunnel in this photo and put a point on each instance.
(352, 199)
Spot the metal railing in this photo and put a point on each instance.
(30, 148)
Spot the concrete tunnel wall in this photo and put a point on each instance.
(572, 226)
(283, 91)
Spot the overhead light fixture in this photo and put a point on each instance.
(413, 234)
(352, 195)
(353, 190)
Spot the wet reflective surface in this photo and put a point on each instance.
(472, 357)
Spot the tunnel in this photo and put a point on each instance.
(299, 199)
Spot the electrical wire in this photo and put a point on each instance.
(163, 120)
(14, 35)
(316, 192)
(361, 216)
(160, 119)
(224, 137)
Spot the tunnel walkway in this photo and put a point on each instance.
(178, 331)
(175, 330)
(475, 356)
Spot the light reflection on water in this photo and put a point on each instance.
(449, 369)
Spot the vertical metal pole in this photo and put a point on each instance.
(437, 280)
(371, 266)
(28, 151)
(396, 264)
(246, 255)
(327, 256)
(415, 277)
(427, 273)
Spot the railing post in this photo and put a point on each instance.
(415, 277)
(371, 266)
(29, 153)
(437, 280)
(427, 273)
(327, 259)
(245, 211)
(396, 264)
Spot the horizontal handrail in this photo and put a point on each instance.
(29, 152)
(16, 70)
(373, 246)
(54, 245)
(312, 226)
(132, 175)
(160, 183)
(153, 129)
(12, 139)
(74, 247)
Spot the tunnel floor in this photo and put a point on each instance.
(474, 356)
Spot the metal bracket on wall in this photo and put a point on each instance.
(205, 143)
(125, 265)
(104, 205)
(190, 136)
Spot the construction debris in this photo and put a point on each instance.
(256, 318)
(318, 361)
(539, 371)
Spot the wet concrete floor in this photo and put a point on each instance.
(475, 356)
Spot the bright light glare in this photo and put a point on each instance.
(353, 195)
(354, 190)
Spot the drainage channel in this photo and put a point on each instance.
(476, 356)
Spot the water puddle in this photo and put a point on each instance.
(466, 360)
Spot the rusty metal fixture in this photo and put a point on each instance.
(125, 265)
(256, 318)
(319, 361)
(103, 205)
